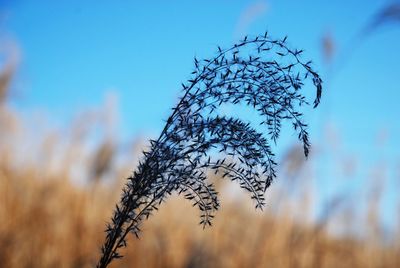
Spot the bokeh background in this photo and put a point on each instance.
(85, 84)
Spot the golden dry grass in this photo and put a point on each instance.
(49, 222)
(47, 219)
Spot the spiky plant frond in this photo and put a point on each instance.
(260, 72)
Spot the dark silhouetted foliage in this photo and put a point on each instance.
(197, 139)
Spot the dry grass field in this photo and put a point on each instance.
(58, 189)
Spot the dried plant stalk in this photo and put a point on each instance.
(195, 135)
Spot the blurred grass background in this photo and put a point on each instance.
(58, 187)
(48, 218)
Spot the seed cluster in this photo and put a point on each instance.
(197, 138)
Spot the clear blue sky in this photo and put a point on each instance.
(73, 52)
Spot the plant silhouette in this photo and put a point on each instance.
(195, 135)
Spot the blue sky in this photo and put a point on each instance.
(74, 52)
